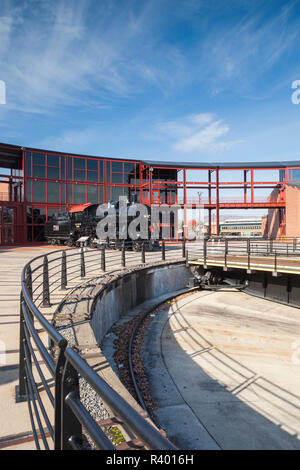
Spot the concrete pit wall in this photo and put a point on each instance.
(283, 288)
(132, 289)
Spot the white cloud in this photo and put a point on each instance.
(78, 53)
(198, 132)
(240, 55)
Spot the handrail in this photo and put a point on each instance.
(66, 368)
(64, 365)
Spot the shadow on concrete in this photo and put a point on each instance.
(272, 420)
(8, 374)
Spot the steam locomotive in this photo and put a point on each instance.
(81, 221)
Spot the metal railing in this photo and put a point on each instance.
(50, 371)
(59, 419)
(248, 253)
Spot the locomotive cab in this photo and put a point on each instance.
(68, 227)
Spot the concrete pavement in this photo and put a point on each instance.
(14, 416)
(222, 373)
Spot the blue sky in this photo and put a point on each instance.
(188, 80)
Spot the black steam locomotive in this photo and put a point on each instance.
(81, 222)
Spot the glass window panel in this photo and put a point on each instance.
(108, 172)
(53, 173)
(79, 194)
(92, 194)
(137, 195)
(52, 160)
(117, 178)
(129, 178)
(127, 193)
(62, 168)
(8, 234)
(39, 215)
(79, 163)
(28, 163)
(101, 194)
(70, 195)
(38, 171)
(8, 215)
(129, 167)
(70, 174)
(29, 214)
(53, 192)
(63, 193)
(38, 233)
(100, 172)
(52, 211)
(296, 174)
(92, 176)
(38, 158)
(116, 193)
(117, 167)
(92, 165)
(29, 233)
(79, 175)
(28, 190)
(39, 191)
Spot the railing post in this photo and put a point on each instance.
(187, 258)
(183, 248)
(63, 271)
(59, 370)
(275, 262)
(70, 426)
(82, 263)
(29, 280)
(46, 291)
(21, 392)
(143, 253)
(248, 246)
(287, 249)
(123, 258)
(226, 247)
(103, 259)
(163, 251)
(294, 244)
(271, 246)
(204, 253)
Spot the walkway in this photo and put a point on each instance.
(14, 416)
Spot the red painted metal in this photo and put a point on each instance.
(154, 189)
(79, 207)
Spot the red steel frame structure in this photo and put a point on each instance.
(152, 183)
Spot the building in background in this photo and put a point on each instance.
(284, 222)
(38, 183)
(244, 228)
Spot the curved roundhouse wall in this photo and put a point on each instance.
(132, 289)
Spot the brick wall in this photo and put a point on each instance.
(292, 210)
(273, 217)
